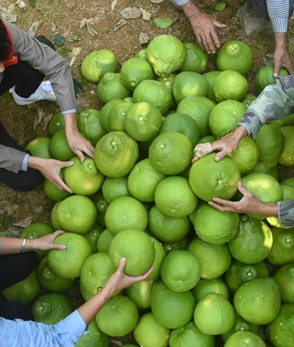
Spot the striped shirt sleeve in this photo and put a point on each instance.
(278, 11)
(180, 2)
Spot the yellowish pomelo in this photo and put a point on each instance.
(118, 317)
(172, 310)
(174, 197)
(24, 291)
(170, 153)
(115, 187)
(143, 180)
(124, 213)
(134, 71)
(258, 301)
(97, 63)
(196, 58)
(188, 83)
(143, 121)
(51, 308)
(270, 141)
(104, 241)
(181, 123)
(244, 338)
(285, 277)
(198, 108)
(214, 259)
(52, 192)
(214, 226)
(240, 273)
(93, 235)
(83, 178)
(230, 85)
(50, 281)
(205, 286)
(68, 263)
(214, 315)
(95, 272)
(241, 325)
(166, 54)
(89, 125)
(39, 147)
(140, 293)
(265, 77)
(253, 242)
(105, 113)
(117, 115)
(110, 87)
(283, 243)
(287, 156)
(225, 116)
(210, 78)
(190, 336)
(150, 333)
(155, 93)
(137, 247)
(180, 271)
(77, 214)
(209, 178)
(235, 55)
(280, 330)
(246, 155)
(59, 148)
(94, 338)
(167, 229)
(116, 154)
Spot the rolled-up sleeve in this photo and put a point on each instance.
(278, 11)
(286, 213)
(11, 159)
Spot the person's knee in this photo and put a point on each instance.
(24, 181)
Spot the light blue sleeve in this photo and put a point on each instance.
(73, 110)
(180, 2)
(24, 165)
(278, 11)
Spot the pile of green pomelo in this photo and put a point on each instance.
(217, 276)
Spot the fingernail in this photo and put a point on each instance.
(63, 246)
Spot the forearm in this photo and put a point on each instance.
(71, 127)
(11, 245)
(191, 9)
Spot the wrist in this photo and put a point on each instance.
(240, 132)
(70, 121)
(281, 40)
(35, 162)
(191, 9)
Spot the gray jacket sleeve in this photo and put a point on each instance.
(50, 63)
(11, 158)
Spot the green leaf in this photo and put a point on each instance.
(77, 86)
(59, 40)
(163, 22)
(33, 3)
(220, 6)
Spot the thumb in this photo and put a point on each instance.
(277, 70)
(67, 163)
(241, 188)
(218, 24)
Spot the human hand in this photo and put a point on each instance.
(46, 242)
(282, 56)
(204, 27)
(80, 145)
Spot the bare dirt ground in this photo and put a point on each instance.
(64, 17)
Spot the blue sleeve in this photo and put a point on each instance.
(73, 110)
(278, 11)
(24, 165)
(180, 2)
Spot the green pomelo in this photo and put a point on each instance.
(110, 87)
(117, 115)
(83, 178)
(134, 71)
(106, 111)
(214, 315)
(154, 93)
(140, 293)
(196, 58)
(143, 180)
(56, 123)
(89, 125)
(270, 141)
(170, 153)
(263, 168)
(125, 213)
(77, 214)
(181, 123)
(95, 272)
(53, 218)
(265, 77)
(241, 325)
(198, 108)
(39, 147)
(172, 310)
(248, 100)
(235, 55)
(101, 206)
(97, 63)
(51, 308)
(283, 243)
(244, 338)
(280, 330)
(230, 85)
(93, 235)
(143, 121)
(118, 317)
(287, 156)
(59, 148)
(68, 262)
(225, 116)
(94, 338)
(137, 247)
(115, 187)
(205, 287)
(209, 178)
(115, 154)
(214, 259)
(104, 241)
(253, 242)
(288, 192)
(285, 277)
(166, 54)
(210, 78)
(150, 333)
(189, 84)
(258, 301)
(214, 226)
